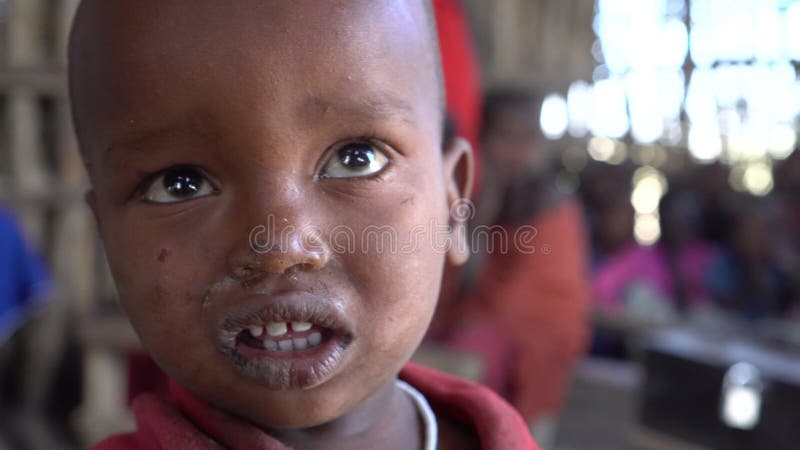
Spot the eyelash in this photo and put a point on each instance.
(148, 178)
(369, 138)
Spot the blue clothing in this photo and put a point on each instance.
(764, 293)
(24, 282)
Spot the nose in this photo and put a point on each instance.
(281, 248)
(283, 241)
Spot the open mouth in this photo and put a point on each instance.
(289, 341)
(284, 337)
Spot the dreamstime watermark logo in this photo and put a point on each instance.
(271, 237)
(462, 210)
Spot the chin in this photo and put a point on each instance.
(281, 410)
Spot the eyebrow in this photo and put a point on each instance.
(138, 139)
(365, 106)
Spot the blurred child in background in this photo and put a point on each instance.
(524, 310)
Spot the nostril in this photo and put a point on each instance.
(307, 267)
(285, 260)
(301, 267)
(247, 271)
(242, 272)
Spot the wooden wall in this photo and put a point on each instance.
(43, 181)
(543, 44)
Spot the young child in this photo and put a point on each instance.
(232, 148)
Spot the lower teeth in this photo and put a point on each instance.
(296, 345)
(300, 344)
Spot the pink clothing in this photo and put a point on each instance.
(650, 266)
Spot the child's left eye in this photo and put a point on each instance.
(178, 184)
(357, 159)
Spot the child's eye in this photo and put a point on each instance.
(178, 184)
(357, 159)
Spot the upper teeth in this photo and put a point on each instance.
(301, 326)
(276, 328)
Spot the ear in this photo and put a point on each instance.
(459, 172)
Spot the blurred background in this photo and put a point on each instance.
(651, 145)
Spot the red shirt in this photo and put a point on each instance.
(185, 422)
(527, 316)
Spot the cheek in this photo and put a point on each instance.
(399, 285)
(400, 307)
(163, 302)
(157, 275)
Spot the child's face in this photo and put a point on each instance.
(210, 129)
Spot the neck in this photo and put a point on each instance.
(384, 420)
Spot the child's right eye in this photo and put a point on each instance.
(178, 184)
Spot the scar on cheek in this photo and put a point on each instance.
(162, 257)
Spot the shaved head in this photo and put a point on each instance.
(202, 120)
(114, 40)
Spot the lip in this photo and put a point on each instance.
(288, 370)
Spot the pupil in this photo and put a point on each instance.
(182, 182)
(356, 156)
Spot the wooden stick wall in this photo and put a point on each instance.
(42, 180)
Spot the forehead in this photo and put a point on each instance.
(133, 58)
